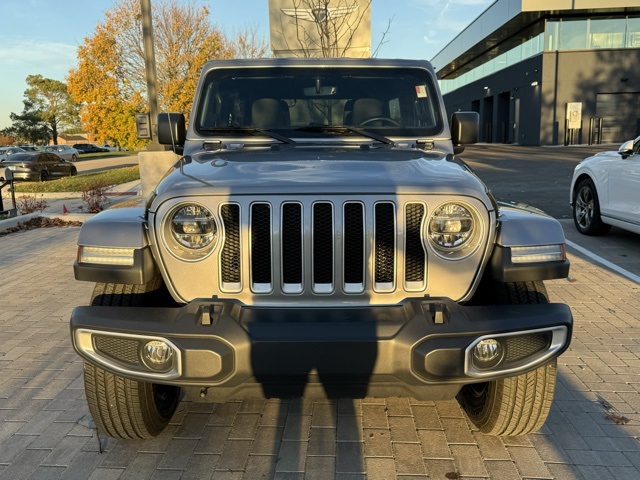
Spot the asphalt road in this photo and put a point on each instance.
(91, 165)
(541, 177)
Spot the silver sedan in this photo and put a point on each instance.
(63, 151)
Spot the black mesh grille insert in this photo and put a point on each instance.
(526, 345)
(384, 243)
(414, 255)
(261, 243)
(231, 250)
(292, 243)
(121, 349)
(353, 243)
(322, 243)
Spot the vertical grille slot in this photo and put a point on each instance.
(323, 247)
(261, 264)
(230, 256)
(414, 251)
(354, 257)
(385, 247)
(291, 224)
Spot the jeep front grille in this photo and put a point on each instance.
(323, 247)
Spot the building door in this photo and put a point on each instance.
(620, 113)
(487, 120)
(502, 118)
(516, 121)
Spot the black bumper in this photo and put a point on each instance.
(419, 349)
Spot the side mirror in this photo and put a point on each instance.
(464, 129)
(171, 129)
(626, 149)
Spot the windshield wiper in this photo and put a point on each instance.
(345, 129)
(250, 130)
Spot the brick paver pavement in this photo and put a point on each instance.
(46, 432)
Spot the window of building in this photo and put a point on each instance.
(606, 33)
(633, 33)
(573, 35)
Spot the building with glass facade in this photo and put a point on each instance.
(548, 72)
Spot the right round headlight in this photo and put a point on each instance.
(453, 230)
(193, 227)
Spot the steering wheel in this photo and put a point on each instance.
(386, 120)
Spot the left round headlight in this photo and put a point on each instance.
(193, 227)
(451, 228)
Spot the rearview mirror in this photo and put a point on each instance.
(464, 129)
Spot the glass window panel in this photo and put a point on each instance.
(633, 33)
(573, 35)
(531, 47)
(513, 56)
(551, 35)
(606, 33)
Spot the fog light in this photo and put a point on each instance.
(487, 353)
(158, 353)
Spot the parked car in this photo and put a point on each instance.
(6, 152)
(38, 166)
(89, 148)
(29, 148)
(110, 148)
(604, 191)
(63, 151)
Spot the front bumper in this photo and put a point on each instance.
(421, 348)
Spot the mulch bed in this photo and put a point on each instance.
(40, 222)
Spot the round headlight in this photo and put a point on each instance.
(451, 227)
(193, 227)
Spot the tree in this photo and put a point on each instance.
(110, 80)
(52, 102)
(247, 44)
(327, 28)
(27, 127)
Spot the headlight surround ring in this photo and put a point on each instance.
(454, 230)
(191, 231)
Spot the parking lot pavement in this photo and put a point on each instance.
(46, 432)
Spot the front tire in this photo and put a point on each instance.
(586, 210)
(516, 405)
(120, 407)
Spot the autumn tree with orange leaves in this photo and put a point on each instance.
(109, 81)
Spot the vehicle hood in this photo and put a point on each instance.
(320, 171)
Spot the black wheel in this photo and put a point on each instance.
(120, 407)
(44, 175)
(586, 210)
(383, 120)
(73, 171)
(515, 405)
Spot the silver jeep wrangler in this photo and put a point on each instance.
(319, 236)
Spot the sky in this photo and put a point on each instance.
(42, 36)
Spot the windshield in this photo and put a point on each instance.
(21, 157)
(389, 102)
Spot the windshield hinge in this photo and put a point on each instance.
(211, 145)
(423, 144)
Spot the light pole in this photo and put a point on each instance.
(150, 68)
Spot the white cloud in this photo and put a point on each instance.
(34, 53)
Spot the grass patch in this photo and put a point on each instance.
(79, 183)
